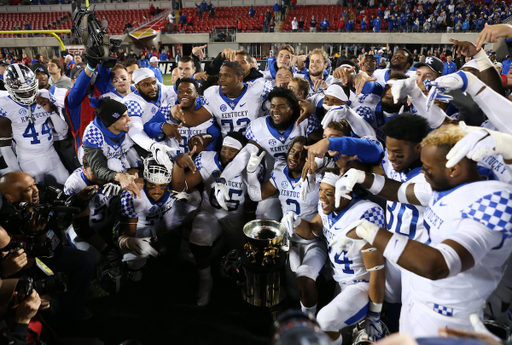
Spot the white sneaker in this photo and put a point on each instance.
(203, 293)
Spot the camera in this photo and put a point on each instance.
(33, 250)
(87, 28)
(56, 283)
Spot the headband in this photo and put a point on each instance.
(330, 179)
(231, 142)
(141, 74)
(336, 91)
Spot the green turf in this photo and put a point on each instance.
(167, 79)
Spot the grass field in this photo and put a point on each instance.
(167, 79)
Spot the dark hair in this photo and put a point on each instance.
(238, 137)
(235, 66)
(407, 126)
(246, 54)
(131, 62)
(370, 57)
(290, 96)
(186, 59)
(348, 62)
(210, 81)
(410, 58)
(301, 140)
(186, 80)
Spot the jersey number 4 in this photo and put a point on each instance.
(342, 259)
(31, 132)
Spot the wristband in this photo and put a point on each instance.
(375, 307)
(402, 195)
(395, 247)
(377, 185)
(89, 68)
(483, 61)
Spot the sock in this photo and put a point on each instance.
(205, 273)
(311, 310)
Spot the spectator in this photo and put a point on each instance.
(261, 18)
(295, 24)
(143, 61)
(153, 62)
(312, 24)
(199, 10)
(212, 12)
(56, 69)
(163, 56)
(265, 25)
(376, 24)
(183, 19)
(349, 26)
(301, 25)
(104, 23)
(324, 25)
(277, 12)
(340, 25)
(283, 11)
(28, 27)
(127, 27)
(364, 24)
(449, 66)
(171, 17)
(252, 12)
(239, 24)
(293, 4)
(152, 10)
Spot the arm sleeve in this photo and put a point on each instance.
(77, 92)
(103, 80)
(495, 106)
(59, 124)
(216, 64)
(372, 87)
(367, 150)
(359, 126)
(214, 131)
(154, 127)
(127, 206)
(435, 116)
(98, 163)
(138, 135)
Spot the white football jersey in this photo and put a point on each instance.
(153, 217)
(273, 141)
(33, 138)
(405, 219)
(187, 133)
(208, 165)
(487, 202)
(289, 193)
(113, 95)
(115, 153)
(349, 264)
(234, 115)
(104, 209)
(138, 106)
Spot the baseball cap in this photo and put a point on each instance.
(37, 67)
(153, 59)
(433, 63)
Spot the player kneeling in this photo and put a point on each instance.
(357, 267)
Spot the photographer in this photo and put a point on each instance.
(21, 323)
(30, 225)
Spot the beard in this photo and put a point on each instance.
(147, 98)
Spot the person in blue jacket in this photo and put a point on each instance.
(376, 24)
(153, 65)
(449, 66)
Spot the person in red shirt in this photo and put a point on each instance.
(239, 24)
(261, 18)
(340, 25)
(26, 60)
(152, 10)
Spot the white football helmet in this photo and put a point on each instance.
(21, 83)
(156, 173)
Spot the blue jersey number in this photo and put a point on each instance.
(239, 122)
(30, 132)
(296, 203)
(342, 259)
(414, 220)
(231, 204)
(99, 214)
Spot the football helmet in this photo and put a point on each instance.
(21, 83)
(156, 173)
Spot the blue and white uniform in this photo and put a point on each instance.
(403, 219)
(33, 137)
(306, 257)
(382, 75)
(104, 210)
(234, 115)
(117, 149)
(476, 215)
(276, 142)
(212, 219)
(349, 271)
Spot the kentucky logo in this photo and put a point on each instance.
(232, 105)
(223, 107)
(116, 115)
(284, 184)
(272, 142)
